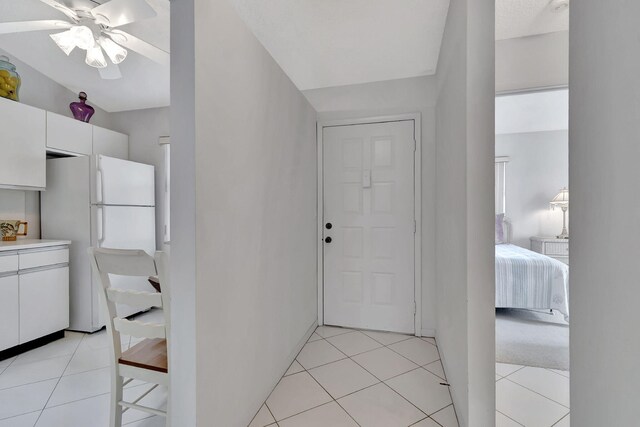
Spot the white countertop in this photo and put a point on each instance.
(30, 244)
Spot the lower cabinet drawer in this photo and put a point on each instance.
(9, 332)
(43, 258)
(44, 302)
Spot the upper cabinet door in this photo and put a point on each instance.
(22, 145)
(67, 134)
(110, 143)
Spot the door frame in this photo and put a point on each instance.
(417, 201)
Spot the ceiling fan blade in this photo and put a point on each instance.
(139, 46)
(110, 72)
(62, 8)
(24, 26)
(115, 13)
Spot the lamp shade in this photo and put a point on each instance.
(561, 199)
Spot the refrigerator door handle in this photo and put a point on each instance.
(99, 186)
(100, 224)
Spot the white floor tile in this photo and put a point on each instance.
(379, 406)
(386, 338)
(417, 350)
(327, 415)
(384, 363)
(504, 421)
(560, 372)
(436, 369)
(294, 368)
(505, 369)
(24, 399)
(430, 340)
(6, 362)
(331, 331)
(88, 360)
(155, 421)
(446, 417)
(314, 337)
(156, 399)
(547, 383)
(427, 422)
(423, 389)
(77, 414)
(26, 420)
(318, 353)
(263, 418)
(81, 386)
(61, 347)
(25, 373)
(354, 343)
(565, 422)
(295, 394)
(525, 406)
(343, 377)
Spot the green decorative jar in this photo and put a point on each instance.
(9, 79)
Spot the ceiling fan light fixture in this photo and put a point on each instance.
(95, 58)
(115, 52)
(65, 41)
(84, 38)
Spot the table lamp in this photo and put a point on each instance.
(562, 201)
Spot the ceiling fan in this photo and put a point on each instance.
(95, 31)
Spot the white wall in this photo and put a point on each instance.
(604, 117)
(254, 152)
(465, 209)
(412, 95)
(22, 205)
(40, 91)
(539, 61)
(144, 127)
(537, 170)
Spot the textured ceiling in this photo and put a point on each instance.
(340, 42)
(144, 83)
(520, 18)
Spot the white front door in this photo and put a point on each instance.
(368, 186)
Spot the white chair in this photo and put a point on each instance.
(148, 360)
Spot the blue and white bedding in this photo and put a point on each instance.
(526, 279)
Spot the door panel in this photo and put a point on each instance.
(9, 312)
(44, 303)
(121, 182)
(368, 183)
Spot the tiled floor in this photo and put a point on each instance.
(67, 384)
(531, 397)
(348, 378)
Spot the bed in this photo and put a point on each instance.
(529, 280)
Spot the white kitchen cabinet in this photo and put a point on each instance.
(68, 135)
(44, 302)
(110, 143)
(23, 137)
(9, 328)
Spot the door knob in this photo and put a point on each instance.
(327, 239)
(329, 226)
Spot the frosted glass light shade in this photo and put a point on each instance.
(561, 199)
(65, 41)
(115, 52)
(95, 58)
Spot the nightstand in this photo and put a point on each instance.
(552, 247)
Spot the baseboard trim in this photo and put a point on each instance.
(38, 342)
(298, 347)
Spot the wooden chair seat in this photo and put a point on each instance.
(147, 354)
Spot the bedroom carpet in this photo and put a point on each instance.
(532, 339)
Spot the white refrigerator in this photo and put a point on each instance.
(98, 201)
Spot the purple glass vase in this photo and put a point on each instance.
(81, 110)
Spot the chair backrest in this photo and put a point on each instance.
(128, 262)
